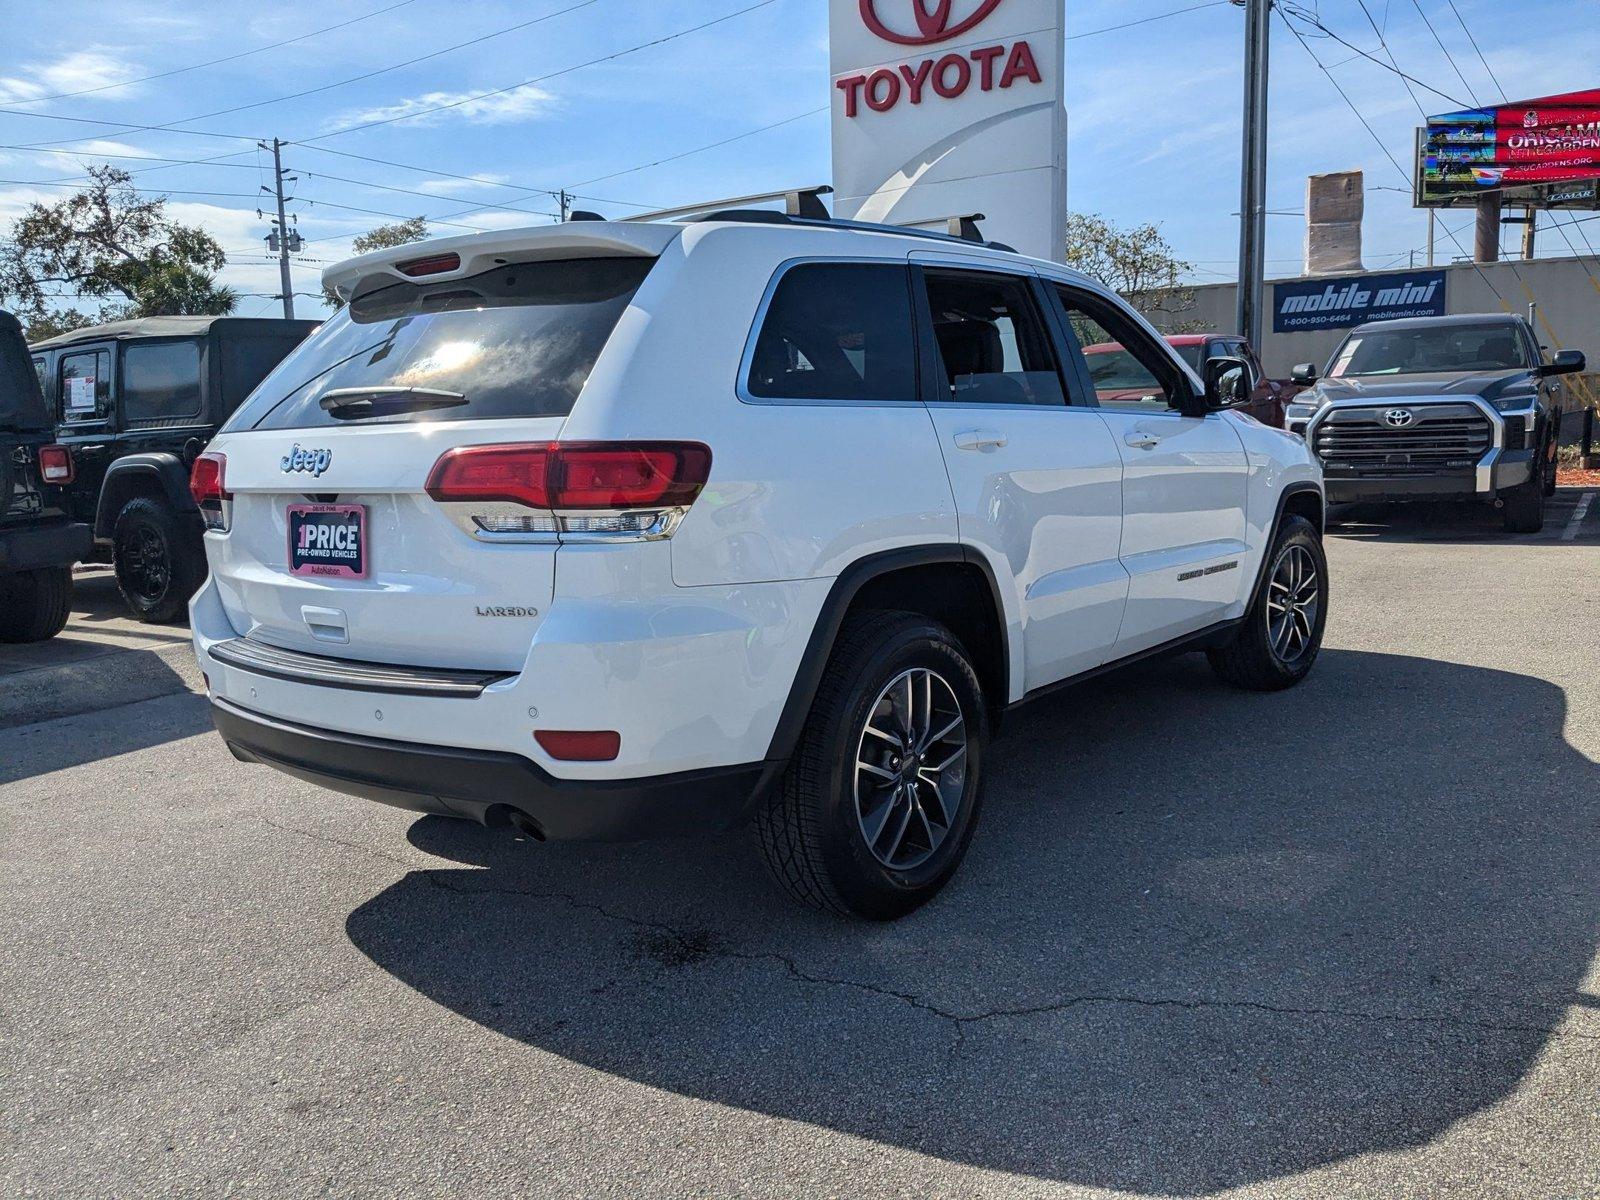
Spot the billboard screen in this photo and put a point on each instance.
(1551, 140)
(1310, 304)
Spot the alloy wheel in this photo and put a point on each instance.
(145, 569)
(911, 768)
(1294, 598)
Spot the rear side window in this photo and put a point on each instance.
(991, 339)
(837, 331)
(85, 386)
(161, 381)
(517, 341)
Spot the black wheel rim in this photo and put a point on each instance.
(911, 769)
(1294, 601)
(145, 569)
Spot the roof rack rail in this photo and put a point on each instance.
(964, 226)
(798, 202)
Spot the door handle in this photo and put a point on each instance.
(979, 439)
(1141, 440)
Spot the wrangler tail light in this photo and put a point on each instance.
(208, 489)
(56, 465)
(573, 490)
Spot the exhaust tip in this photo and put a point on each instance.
(516, 822)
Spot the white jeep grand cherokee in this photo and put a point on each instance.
(609, 530)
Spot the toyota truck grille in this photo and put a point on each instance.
(1438, 438)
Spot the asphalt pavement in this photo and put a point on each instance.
(1335, 942)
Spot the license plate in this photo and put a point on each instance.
(328, 541)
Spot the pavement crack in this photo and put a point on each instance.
(366, 851)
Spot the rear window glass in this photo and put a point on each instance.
(837, 331)
(161, 380)
(517, 341)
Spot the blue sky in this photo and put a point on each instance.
(1153, 110)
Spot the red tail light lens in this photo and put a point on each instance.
(437, 264)
(208, 489)
(587, 745)
(574, 475)
(56, 465)
(205, 479)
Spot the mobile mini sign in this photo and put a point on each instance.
(1313, 304)
(1551, 140)
(947, 108)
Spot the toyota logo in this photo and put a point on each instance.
(934, 20)
(1398, 417)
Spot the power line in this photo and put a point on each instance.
(121, 126)
(1450, 58)
(700, 149)
(1316, 23)
(299, 37)
(1467, 29)
(457, 103)
(1177, 12)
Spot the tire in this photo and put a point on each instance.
(160, 562)
(34, 604)
(1524, 507)
(1271, 651)
(813, 833)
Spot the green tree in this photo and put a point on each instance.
(1137, 263)
(107, 244)
(384, 237)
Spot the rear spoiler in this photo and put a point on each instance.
(479, 252)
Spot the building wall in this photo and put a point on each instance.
(1567, 318)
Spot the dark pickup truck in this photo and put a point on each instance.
(39, 541)
(1438, 408)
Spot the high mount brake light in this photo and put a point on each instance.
(436, 264)
(207, 487)
(56, 465)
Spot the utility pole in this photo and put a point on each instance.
(281, 239)
(565, 203)
(1253, 175)
(1531, 214)
(1430, 237)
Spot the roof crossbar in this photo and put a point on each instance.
(797, 202)
(964, 226)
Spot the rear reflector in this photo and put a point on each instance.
(55, 464)
(569, 745)
(437, 264)
(574, 475)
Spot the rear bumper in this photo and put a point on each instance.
(490, 786)
(32, 549)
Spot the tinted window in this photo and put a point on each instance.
(837, 331)
(517, 341)
(161, 380)
(1497, 347)
(1126, 370)
(246, 361)
(991, 340)
(85, 386)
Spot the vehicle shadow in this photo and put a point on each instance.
(1203, 938)
(1455, 522)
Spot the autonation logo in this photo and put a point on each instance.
(1341, 303)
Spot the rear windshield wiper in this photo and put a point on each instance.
(355, 403)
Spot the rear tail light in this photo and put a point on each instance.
(207, 487)
(577, 490)
(55, 465)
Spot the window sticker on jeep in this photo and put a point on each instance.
(80, 393)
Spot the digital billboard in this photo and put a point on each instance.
(1548, 142)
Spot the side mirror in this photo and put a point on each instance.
(1228, 383)
(1305, 373)
(1566, 362)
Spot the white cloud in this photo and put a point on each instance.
(79, 71)
(519, 104)
(447, 187)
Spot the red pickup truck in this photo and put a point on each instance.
(1117, 374)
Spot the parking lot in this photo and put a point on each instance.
(1334, 942)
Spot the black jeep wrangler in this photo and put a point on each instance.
(38, 541)
(135, 403)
